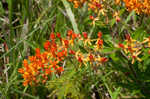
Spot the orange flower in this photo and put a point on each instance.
(139, 6)
(21, 70)
(72, 52)
(80, 59)
(117, 16)
(85, 35)
(61, 54)
(43, 63)
(147, 40)
(37, 51)
(91, 58)
(117, 2)
(70, 32)
(25, 83)
(103, 59)
(77, 3)
(135, 56)
(52, 36)
(47, 45)
(132, 48)
(32, 58)
(74, 36)
(99, 35)
(99, 43)
(66, 43)
(38, 68)
(59, 35)
(128, 38)
(121, 45)
(48, 71)
(60, 69)
(25, 63)
(91, 17)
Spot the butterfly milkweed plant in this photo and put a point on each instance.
(74, 49)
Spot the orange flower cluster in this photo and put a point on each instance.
(93, 56)
(39, 68)
(78, 3)
(94, 5)
(133, 48)
(139, 6)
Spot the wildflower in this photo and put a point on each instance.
(91, 17)
(47, 45)
(135, 56)
(101, 60)
(60, 69)
(86, 39)
(66, 43)
(121, 46)
(21, 70)
(116, 15)
(99, 35)
(91, 58)
(118, 19)
(94, 20)
(59, 35)
(69, 33)
(53, 64)
(128, 38)
(94, 5)
(43, 63)
(139, 6)
(25, 83)
(80, 59)
(147, 40)
(39, 67)
(71, 42)
(77, 3)
(85, 35)
(99, 44)
(117, 2)
(38, 54)
(25, 63)
(72, 52)
(48, 71)
(53, 51)
(52, 36)
(132, 48)
(61, 54)
(148, 51)
(74, 36)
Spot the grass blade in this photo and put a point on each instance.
(70, 15)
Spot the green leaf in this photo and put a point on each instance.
(112, 22)
(71, 16)
(1, 9)
(116, 93)
(107, 50)
(128, 19)
(113, 56)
